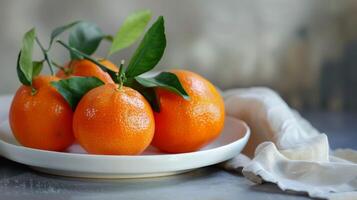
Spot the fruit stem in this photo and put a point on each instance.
(33, 91)
(120, 83)
(120, 75)
(46, 56)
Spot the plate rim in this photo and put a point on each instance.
(80, 155)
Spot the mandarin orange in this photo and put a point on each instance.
(41, 119)
(114, 121)
(187, 125)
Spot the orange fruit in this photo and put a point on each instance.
(187, 125)
(85, 67)
(42, 120)
(113, 121)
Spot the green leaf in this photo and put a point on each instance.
(148, 92)
(36, 68)
(73, 89)
(85, 37)
(59, 30)
(150, 50)
(132, 28)
(151, 97)
(165, 80)
(24, 64)
(20, 74)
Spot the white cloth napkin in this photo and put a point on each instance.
(285, 149)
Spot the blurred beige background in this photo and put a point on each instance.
(305, 49)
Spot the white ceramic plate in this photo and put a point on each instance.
(75, 162)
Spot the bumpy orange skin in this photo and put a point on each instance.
(113, 121)
(87, 68)
(43, 120)
(186, 126)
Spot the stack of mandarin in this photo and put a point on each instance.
(107, 108)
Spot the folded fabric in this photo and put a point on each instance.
(285, 149)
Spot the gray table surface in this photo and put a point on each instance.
(20, 182)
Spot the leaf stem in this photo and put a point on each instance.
(58, 66)
(46, 56)
(67, 71)
(33, 90)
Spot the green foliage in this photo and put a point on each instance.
(59, 30)
(24, 62)
(132, 28)
(85, 37)
(165, 80)
(73, 89)
(150, 50)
